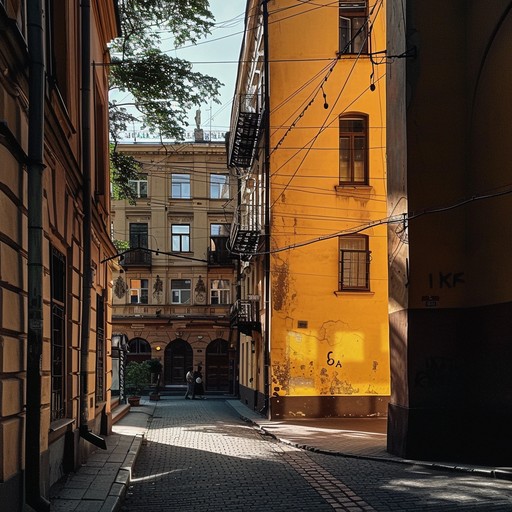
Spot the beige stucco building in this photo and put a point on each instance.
(54, 234)
(175, 285)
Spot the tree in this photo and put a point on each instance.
(164, 88)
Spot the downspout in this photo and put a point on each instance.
(267, 210)
(36, 93)
(87, 283)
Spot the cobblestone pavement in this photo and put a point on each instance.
(200, 456)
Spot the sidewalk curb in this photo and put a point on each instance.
(123, 478)
(490, 473)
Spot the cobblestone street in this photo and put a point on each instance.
(200, 456)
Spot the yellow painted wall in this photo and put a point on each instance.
(344, 350)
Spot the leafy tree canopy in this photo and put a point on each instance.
(164, 89)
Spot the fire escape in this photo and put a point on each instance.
(242, 145)
(245, 315)
(243, 141)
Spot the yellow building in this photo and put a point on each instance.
(175, 285)
(54, 233)
(308, 145)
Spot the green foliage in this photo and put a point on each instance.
(123, 168)
(164, 88)
(137, 376)
(155, 365)
(121, 245)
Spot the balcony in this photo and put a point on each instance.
(244, 138)
(136, 258)
(245, 232)
(218, 253)
(245, 315)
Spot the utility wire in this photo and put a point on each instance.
(402, 218)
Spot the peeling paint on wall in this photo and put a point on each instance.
(280, 287)
(339, 387)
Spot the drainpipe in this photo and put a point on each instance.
(87, 283)
(266, 264)
(35, 33)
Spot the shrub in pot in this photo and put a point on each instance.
(137, 376)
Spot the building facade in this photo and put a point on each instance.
(176, 282)
(54, 233)
(307, 145)
(448, 164)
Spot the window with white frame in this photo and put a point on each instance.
(181, 291)
(180, 186)
(353, 26)
(354, 263)
(220, 291)
(180, 237)
(139, 186)
(139, 291)
(219, 186)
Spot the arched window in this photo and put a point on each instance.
(139, 346)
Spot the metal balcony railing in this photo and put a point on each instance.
(244, 138)
(245, 232)
(136, 257)
(245, 316)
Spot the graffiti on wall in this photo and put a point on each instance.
(439, 371)
(333, 362)
(446, 279)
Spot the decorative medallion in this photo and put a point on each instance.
(158, 289)
(200, 292)
(120, 288)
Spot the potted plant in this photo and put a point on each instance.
(155, 367)
(136, 380)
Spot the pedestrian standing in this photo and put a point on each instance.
(190, 384)
(198, 384)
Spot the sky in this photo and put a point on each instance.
(217, 56)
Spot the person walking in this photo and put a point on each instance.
(198, 384)
(190, 384)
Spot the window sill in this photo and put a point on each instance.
(346, 187)
(352, 293)
(59, 427)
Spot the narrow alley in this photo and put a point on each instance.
(199, 455)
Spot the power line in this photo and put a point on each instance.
(402, 218)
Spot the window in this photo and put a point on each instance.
(100, 142)
(220, 291)
(353, 27)
(58, 50)
(139, 346)
(354, 274)
(220, 229)
(100, 348)
(139, 291)
(353, 150)
(180, 237)
(58, 323)
(140, 186)
(180, 186)
(219, 186)
(218, 253)
(138, 235)
(180, 291)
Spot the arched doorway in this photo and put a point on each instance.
(138, 350)
(217, 366)
(178, 358)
